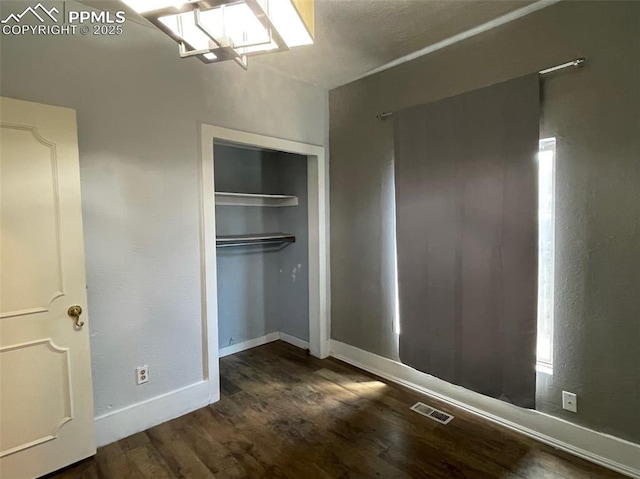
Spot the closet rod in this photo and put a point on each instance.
(249, 240)
(577, 63)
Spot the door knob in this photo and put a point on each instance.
(75, 312)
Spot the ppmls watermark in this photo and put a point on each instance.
(40, 20)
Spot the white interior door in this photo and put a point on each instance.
(46, 401)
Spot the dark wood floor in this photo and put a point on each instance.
(287, 415)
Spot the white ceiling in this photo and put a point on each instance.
(354, 37)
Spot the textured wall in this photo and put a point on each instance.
(262, 289)
(139, 108)
(595, 114)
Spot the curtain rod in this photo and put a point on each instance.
(577, 63)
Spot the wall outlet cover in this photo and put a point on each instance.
(569, 401)
(142, 374)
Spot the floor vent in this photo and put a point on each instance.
(431, 413)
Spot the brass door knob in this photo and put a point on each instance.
(75, 312)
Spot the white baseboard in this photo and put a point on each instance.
(608, 451)
(300, 343)
(138, 417)
(269, 338)
(252, 343)
(124, 422)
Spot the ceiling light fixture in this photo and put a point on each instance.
(220, 30)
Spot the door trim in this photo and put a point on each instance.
(318, 192)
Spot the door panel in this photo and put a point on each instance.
(46, 399)
(30, 249)
(47, 363)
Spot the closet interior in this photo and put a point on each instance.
(261, 246)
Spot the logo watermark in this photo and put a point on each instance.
(40, 20)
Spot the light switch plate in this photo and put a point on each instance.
(569, 401)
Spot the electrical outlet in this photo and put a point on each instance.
(142, 374)
(569, 401)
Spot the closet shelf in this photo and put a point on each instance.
(259, 239)
(250, 199)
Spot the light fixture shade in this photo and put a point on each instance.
(219, 30)
(144, 6)
(294, 20)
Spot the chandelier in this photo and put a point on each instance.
(221, 30)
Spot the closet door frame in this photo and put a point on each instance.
(318, 214)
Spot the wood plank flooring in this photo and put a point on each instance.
(284, 414)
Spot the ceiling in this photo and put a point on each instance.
(354, 37)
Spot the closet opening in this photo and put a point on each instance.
(265, 272)
(261, 247)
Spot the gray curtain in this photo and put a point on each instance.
(466, 203)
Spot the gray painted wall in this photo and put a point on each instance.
(139, 108)
(262, 289)
(595, 114)
(294, 259)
